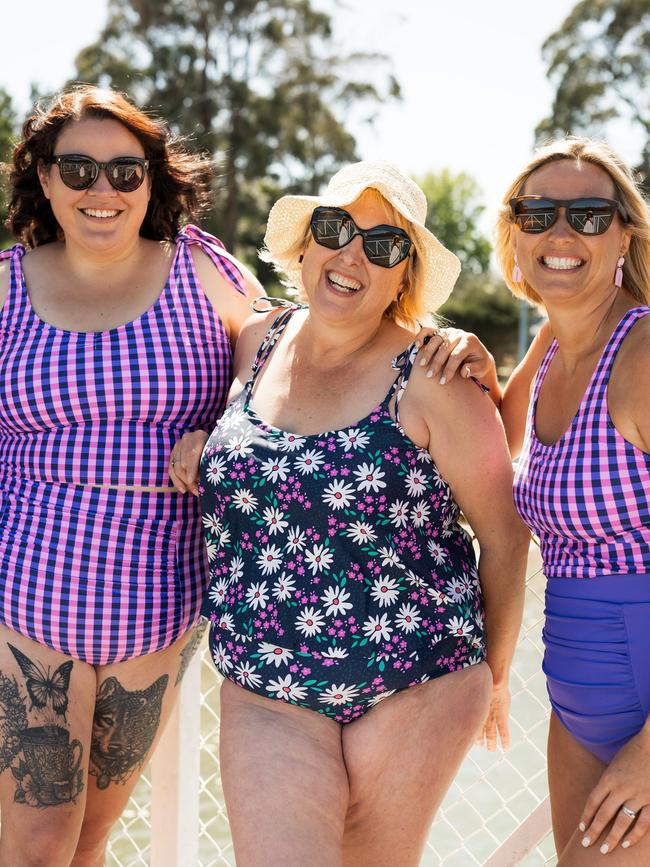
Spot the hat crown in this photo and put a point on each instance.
(396, 187)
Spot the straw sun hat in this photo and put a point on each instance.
(289, 219)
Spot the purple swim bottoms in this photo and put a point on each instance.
(597, 640)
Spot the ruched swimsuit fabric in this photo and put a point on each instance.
(99, 573)
(338, 570)
(587, 497)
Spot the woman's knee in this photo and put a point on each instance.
(48, 845)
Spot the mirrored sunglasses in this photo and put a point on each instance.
(334, 228)
(588, 216)
(79, 172)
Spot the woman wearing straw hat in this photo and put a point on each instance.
(347, 612)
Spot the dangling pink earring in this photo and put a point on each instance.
(516, 273)
(618, 277)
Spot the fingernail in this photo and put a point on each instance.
(443, 380)
(625, 844)
(586, 841)
(582, 826)
(604, 849)
(429, 374)
(423, 361)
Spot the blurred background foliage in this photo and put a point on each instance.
(262, 87)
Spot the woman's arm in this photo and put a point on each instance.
(467, 443)
(518, 389)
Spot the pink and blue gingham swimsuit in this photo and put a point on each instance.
(98, 573)
(587, 497)
(338, 570)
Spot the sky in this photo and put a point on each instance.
(472, 76)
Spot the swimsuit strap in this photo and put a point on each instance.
(404, 363)
(271, 337)
(225, 263)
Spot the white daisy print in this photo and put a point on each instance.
(218, 591)
(272, 654)
(216, 469)
(290, 442)
(336, 600)
(338, 694)
(352, 438)
(420, 513)
(245, 674)
(244, 500)
(283, 587)
(270, 560)
(437, 552)
(275, 521)
(408, 618)
(295, 540)
(369, 477)
(276, 468)
(236, 568)
(460, 627)
(361, 532)
(287, 689)
(222, 658)
(212, 549)
(416, 483)
(413, 579)
(257, 595)
(456, 590)
(378, 628)
(211, 523)
(338, 495)
(399, 513)
(380, 697)
(239, 447)
(224, 538)
(309, 621)
(226, 623)
(319, 558)
(335, 653)
(389, 557)
(385, 591)
(308, 462)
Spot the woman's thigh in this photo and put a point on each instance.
(284, 780)
(46, 712)
(134, 701)
(573, 772)
(401, 758)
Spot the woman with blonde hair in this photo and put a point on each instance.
(362, 649)
(574, 238)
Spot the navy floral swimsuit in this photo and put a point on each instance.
(338, 571)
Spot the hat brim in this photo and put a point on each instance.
(289, 219)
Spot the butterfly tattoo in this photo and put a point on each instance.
(43, 687)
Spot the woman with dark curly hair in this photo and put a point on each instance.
(117, 330)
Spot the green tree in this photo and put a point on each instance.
(257, 83)
(480, 302)
(599, 63)
(8, 124)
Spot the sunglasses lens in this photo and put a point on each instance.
(590, 216)
(126, 175)
(77, 173)
(331, 228)
(386, 248)
(534, 216)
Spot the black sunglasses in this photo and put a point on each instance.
(79, 172)
(334, 228)
(588, 216)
